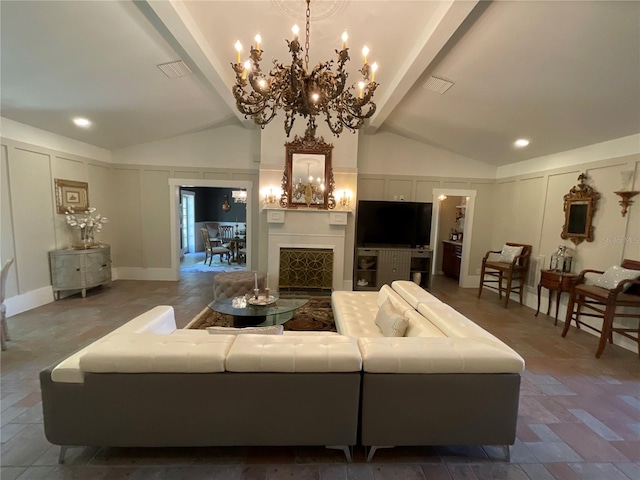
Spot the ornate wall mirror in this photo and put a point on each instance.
(579, 207)
(308, 175)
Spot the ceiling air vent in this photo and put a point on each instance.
(175, 69)
(438, 85)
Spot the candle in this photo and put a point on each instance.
(361, 85)
(374, 67)
(267, 280)
(258, 39)
(345, 37)
(256, 283)
(365, 53)
(238, 46)
(295, 30)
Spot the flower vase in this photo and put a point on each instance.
(86, 238)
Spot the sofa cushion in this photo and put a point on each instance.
(388, 293)
(419, 326)
(354, 313)
(270, 330)
(279, 353)
(412, 293)
(144, 352)
(158, 320)
(509, 253)
(436, 355)
(614, 275)
(390, 321)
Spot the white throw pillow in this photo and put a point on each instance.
(509, 253)
(614, 275)
(391, 321)
(271, 330)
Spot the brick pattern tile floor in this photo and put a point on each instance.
(579, 416)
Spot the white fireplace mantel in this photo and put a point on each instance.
(307, 228)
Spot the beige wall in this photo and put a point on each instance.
(519, 203)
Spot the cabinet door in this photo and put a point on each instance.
(393, 265)
(97, 268)
(66, 271)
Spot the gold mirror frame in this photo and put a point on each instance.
(303, 151)
(579, 207)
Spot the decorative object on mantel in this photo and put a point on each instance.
(626, 194)
(300, 91)
(301, 153)
(226, 206)
(71, 194)
(579, 207)
(89, 223)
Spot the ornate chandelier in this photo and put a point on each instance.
(300, 91)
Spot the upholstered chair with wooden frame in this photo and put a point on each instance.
(513, 272)
(608, 304)
(210, 250)
(4, 330)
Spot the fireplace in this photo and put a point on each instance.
(296, 235)
(308, 269)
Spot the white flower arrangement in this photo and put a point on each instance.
(87, 222)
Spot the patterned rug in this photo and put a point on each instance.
(316, 315)
(215, 267)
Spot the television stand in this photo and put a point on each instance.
(374, 267)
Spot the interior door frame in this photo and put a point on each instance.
(466, 280)
(174, 201)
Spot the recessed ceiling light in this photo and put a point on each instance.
(82, 122)
(521, 142)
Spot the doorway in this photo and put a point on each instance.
(175, 209)
(465, 280)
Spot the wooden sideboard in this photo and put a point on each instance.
(374, 267)
(80, 269)
(451, 258)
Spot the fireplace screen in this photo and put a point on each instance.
(306, 269)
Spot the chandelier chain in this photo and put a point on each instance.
(306, 43)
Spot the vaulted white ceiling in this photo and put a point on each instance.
(562, 74)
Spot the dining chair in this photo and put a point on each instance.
(211, 250)
(4, 330)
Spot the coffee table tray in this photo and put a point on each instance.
(261, 300)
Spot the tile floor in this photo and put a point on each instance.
(579, 416)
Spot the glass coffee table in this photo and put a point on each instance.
(245, 313)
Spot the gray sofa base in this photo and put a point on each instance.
(439, 409)
(191, 409)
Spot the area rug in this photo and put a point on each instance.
(215, 267)
(315, 315)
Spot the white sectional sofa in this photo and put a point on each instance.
(445, 382)
(148, 384)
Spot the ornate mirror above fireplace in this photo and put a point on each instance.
(308, 175)
(579, 207)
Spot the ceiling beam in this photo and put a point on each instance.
(178, 22)
(435, 35)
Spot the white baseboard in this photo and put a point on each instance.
(138, 273)
(27, 301)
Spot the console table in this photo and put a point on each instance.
(555, 281)
(80, 269)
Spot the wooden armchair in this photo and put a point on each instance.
(514, 272)
(594, 301)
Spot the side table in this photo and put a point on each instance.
(555, 281)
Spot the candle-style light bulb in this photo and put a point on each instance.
(315, 97)
(238, 46)
(295, 29)
(247, 66)
(361, 86)
(258, 39)
(345, 37)
(262, 82)
(374, 68)
(365, 53)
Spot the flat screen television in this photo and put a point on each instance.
(393, 224)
